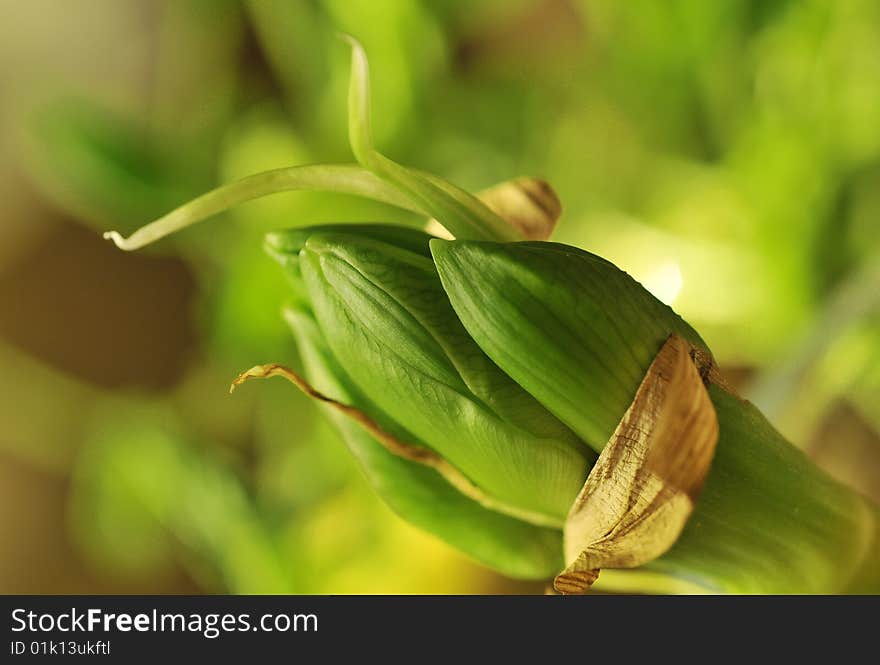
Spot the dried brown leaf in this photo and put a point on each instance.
(528, 204)
(642, 489)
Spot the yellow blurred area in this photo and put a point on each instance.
(726, 154)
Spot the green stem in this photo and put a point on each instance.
(463, 215)
(340, 178)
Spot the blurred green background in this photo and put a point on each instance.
(726, 153)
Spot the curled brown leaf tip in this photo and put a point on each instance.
(573, 581)
(641, 491)
(392, 444)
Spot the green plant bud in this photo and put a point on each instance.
(477, 379)
(388, 322)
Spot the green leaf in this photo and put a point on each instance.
(381, 179)
(571, 328)
(359, 292)
(462, 214)
(344, 178)
(419, 494)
